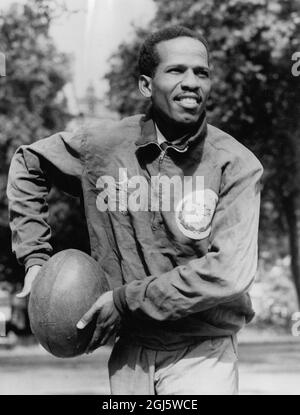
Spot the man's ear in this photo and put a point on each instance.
(145, 86)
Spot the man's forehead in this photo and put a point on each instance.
(182, 49)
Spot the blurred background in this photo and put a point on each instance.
(69, 62)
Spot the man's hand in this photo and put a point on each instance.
(107, 320)
(29, 278)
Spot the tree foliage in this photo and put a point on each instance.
(31, 106)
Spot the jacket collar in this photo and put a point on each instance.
(148, 135)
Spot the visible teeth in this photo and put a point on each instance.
(189, 100)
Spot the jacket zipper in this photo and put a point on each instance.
(160, 160)
(161, 157)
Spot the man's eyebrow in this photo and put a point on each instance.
(182, 66)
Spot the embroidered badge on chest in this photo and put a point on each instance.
(194, 213)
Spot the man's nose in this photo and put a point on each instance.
(190, 80)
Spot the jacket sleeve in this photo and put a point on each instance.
(33, 170)
(224, 273)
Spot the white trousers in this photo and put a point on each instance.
(209, 367)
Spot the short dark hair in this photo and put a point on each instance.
(149, 58)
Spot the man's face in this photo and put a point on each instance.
(181, 83)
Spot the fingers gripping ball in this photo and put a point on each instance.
(63, 291)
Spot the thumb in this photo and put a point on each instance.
(29, 278)
(87, 318)
(24, 293)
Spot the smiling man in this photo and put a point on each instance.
(178, 86)
(180, 275)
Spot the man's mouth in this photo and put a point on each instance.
(188, 101)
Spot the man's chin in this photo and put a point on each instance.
(181, 121)
(189, 116)
(188, 120)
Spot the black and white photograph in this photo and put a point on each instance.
(149, 200)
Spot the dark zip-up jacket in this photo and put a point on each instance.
(174, 280)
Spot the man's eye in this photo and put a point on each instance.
(174, 70)
(203, 74)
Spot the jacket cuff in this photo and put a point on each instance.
(40, 260)
(119, 298)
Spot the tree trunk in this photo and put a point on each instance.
(292, 211)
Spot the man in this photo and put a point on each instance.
(179, 275)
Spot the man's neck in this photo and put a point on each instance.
(175, 132)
